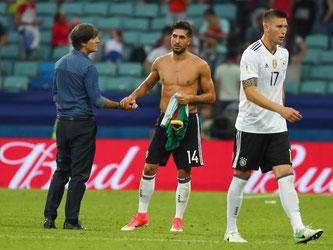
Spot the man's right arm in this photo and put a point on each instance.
(250, 90)
(144, 87)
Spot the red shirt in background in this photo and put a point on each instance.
(177, 6)
(60, 33)
(284, 5)
(23, 7)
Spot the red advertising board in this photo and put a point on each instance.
(118, 165)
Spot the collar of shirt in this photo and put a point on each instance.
(80, 53)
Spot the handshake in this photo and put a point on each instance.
(128, 104)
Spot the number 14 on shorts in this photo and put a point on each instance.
(193, 157)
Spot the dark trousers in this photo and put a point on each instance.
(76, 144)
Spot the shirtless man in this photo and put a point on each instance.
(179, 71)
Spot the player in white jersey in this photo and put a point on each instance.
(262, 138)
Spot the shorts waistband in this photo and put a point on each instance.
(76, 118)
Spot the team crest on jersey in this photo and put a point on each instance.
(274, 63)
(247, 69)
(283, 63)
(242, 161)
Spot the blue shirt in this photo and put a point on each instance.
(75, 85)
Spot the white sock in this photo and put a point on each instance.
(147, 186)
(235, 198)
(289, 200)
(182, 196)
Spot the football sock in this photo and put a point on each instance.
(235, 198)
(147, 186)
(289, 200)
(182, 196)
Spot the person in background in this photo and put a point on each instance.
(167, 30)
(304, 16)
(176, 10)
(75, 92)
(165, 48)
(60, 30)
(284, 5)
(114, 47)
(326, 19)
(297, 48)
(227, 82)
(206, 121)
(195, 44)
(11, 13)
(3, 36)
(213, 32)
(254, 32)
(3, 41)
(28, 39)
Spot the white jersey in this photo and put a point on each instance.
(270, 70)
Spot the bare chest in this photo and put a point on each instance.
(179, 75)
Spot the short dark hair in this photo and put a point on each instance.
(82, 33)
(183, 25)
(272, 13)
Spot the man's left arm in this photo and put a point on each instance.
(207, 85)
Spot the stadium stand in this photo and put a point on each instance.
(16, 83)
(141, 25)
(29, 69)
(314, 87)
(6, 67)
(146, 10)
(228, 11)
(3, 8)
(291, 88)
(106, 68)
(46, 8)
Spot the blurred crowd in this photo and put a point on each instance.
(219, 41)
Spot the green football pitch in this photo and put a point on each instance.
(262, 222)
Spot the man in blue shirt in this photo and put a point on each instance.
(75, 92)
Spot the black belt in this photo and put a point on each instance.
(76, 118)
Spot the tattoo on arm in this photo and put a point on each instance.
(250, 82)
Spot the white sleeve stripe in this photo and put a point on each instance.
(199, 140)
(238, 142)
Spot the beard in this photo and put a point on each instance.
(178, 52)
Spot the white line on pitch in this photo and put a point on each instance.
(260, 196)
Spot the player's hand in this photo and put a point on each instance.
(290, 114)
(132, 105)
(128, 104)
(184, 99)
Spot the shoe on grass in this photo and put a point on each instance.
(234, 236)
(307, 234)
(140, 220)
